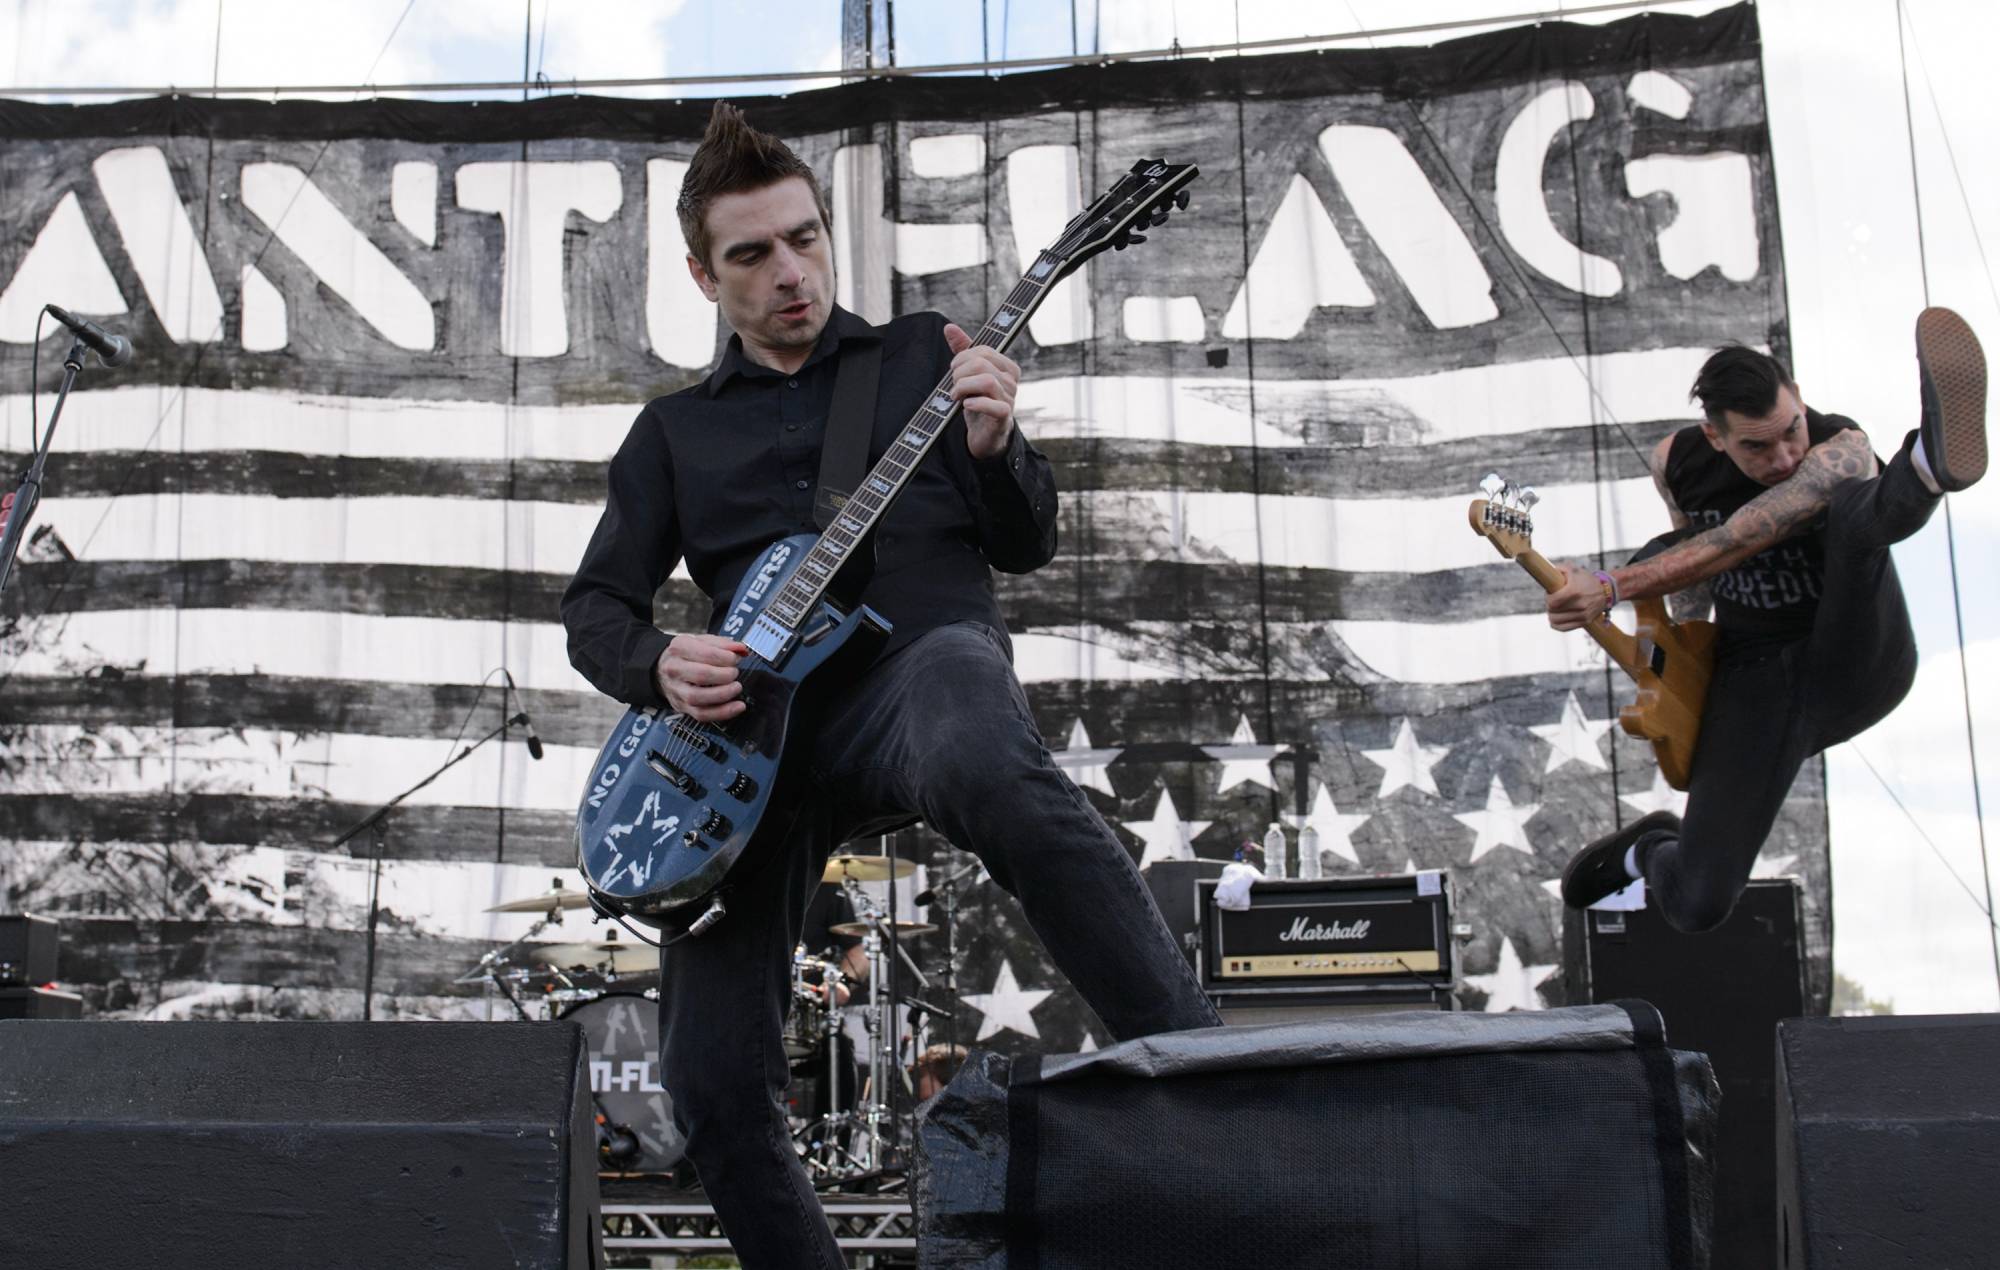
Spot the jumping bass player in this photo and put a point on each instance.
(1785, 517)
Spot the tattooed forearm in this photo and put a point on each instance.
(1769, 518)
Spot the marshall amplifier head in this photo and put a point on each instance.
(1358, 934)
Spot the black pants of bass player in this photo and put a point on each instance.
(940, 729)
(1765, 716)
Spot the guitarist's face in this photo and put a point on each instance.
(771, 269)
(1766, 448)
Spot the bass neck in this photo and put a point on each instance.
(1621, 647)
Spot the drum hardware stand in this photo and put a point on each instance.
(616, 1143)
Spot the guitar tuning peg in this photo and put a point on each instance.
(1490, 485)
(1182, 199)
(1160, 216)
(1529, 498)
(1135, 238)
(1119, 245)
(1507, 493)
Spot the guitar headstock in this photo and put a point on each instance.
(1504, 517)
(1142, 199)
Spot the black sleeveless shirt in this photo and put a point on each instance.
(1770, 599)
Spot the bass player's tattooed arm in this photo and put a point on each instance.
(1768, 519)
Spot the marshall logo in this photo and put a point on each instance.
(1306, 928)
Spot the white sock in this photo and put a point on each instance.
(1922, 462)
(1632, 862)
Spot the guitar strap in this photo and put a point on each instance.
(850, 422)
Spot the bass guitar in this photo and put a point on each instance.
(674, 803)
(1669, 661)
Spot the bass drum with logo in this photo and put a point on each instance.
(622, 1032)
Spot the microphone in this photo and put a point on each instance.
(534, 741)
(112, 350)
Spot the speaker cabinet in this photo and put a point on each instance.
(1888, 1142)
(255, 1145)
(1721, 994)
(1568, 1139)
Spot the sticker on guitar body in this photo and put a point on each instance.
(773, 565)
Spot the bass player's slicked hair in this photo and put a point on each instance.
(1739, 378)
(734, 158)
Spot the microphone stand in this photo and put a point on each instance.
(372, 825)
(30, 492)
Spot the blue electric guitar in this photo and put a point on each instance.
(672, 803)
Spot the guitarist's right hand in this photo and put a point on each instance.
(697, 676)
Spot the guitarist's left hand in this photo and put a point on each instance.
(1579, 602)
(984, 380)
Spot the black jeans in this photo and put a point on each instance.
(1765, 717)
(940, 729)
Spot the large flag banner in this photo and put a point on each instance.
(385, 349)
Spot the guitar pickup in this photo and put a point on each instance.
(687, 730)
(672, 774)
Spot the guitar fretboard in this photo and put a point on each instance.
(864, 507)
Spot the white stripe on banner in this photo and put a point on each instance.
(1445, 406)
(1416, 535)
(291, 886)
(1370, 535)
(342, 767)
(1451, 405)
(169, 421)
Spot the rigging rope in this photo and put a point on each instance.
(1950, 536)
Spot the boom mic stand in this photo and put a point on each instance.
(372, 825)
(30, 492)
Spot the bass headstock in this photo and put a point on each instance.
(1143, 198)
(1505, 516)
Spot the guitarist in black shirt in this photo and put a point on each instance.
(937, 727)
(1786, 518)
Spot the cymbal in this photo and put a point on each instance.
(865, 868)
(554, 897)
(904, 930)
(611, 954)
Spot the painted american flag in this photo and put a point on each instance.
(386, 349)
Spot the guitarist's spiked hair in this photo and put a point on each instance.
(733, 158)
(1740, 378)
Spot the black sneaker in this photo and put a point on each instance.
(1599, 869)
(1953, 373)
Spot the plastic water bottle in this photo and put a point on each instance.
(1274, 851)
(1309, 870)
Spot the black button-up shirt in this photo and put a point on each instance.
(722, 469)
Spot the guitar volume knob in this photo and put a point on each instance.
(738, 785)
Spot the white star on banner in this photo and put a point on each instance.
(1334, 827)
(1554, 886)
(1089, 1045)
(1085, 765)
(1166, 835)
(1009, 1007)
(1661, 797)
(1407, 763)
(1511, 986)
(1573, 738)
(1243, 760)
(1499, 824)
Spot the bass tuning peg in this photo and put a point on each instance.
(1528, 498)
(1491, 485)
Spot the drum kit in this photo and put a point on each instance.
(846, 1027)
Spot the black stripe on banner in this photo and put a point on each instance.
(1122, 585)
(1197, 706)
(544, 838)
(1339, 457)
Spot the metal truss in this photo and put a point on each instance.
(860, 1224)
